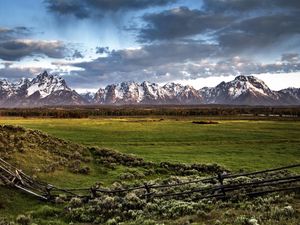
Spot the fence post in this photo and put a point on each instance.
(93, 190)
(221, 179)
(148, 191)
(48, 192)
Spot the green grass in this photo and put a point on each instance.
(235, 144)
(16, 202)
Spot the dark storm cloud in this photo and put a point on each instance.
(181, 22)
(259, 32)
(233, 5)
(66, 7)
(234, 33)
(242, 6)
(17, 49)
(127, 4)
(83, 9)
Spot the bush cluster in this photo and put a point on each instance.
(111, 158)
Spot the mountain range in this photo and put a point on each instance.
(51, 90)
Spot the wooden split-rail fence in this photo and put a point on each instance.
(221, 186)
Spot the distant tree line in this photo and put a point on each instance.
(110, 111)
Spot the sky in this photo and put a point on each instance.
(93, 43)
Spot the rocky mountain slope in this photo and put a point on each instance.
(52, 90)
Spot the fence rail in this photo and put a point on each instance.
(220, 186)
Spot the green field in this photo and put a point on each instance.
(234, 144)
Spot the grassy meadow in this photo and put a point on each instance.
(234, 144)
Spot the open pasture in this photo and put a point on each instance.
(234, 144)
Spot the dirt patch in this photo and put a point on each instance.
(143, 121)
(205, 122)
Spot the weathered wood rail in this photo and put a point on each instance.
(14, 177)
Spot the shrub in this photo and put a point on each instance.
(76, 167)
(75, 202)
(23, 220)
(288, 211)
(279, 213)
(4, 221)
(112, 222)
(253, 221)
(61, 199)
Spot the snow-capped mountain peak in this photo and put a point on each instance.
(44, 89)
(244, 84)
(47, 89)
(147, 93)
(46, 84)
(243, 89)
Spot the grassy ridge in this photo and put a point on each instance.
(249, 145)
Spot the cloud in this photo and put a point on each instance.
(88, 8)
(166, 62)
(16, 73)
(14, 33)
(65, 7)
(181, 22)
(221, 38)
(242, 6)
(102, 50)
(127, 4)
(17, 49)
(150, 55)
(152, 61)
(77, 55)
(238, 65)
(236, 34)
(290, 57)
(260, 33)
(156, 63)
(16, 45)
